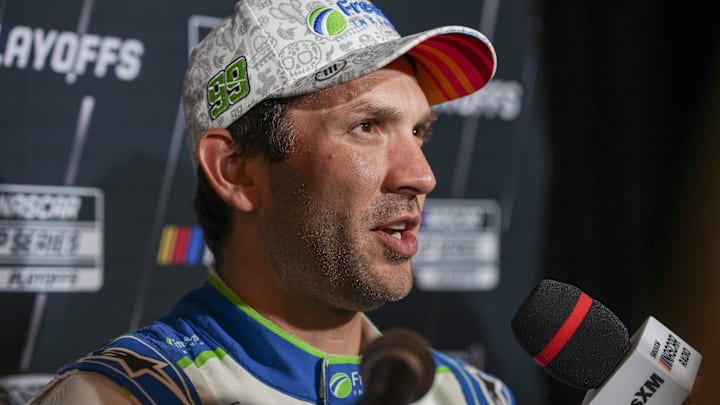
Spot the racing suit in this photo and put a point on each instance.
(214, 348)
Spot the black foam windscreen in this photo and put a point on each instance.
(397, 368)
(586, 353)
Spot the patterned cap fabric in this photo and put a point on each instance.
(282, 48)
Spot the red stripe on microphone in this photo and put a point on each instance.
(566, 331)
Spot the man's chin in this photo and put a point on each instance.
(395, 291)
(370, 299)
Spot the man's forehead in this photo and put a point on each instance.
(339, 94)
(346, 92)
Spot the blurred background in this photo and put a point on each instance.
(590, 158)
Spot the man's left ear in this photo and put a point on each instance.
(232, 176)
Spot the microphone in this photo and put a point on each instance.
(397, 369)
(582, 343)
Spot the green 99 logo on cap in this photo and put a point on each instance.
(228, 87)
(327, 22)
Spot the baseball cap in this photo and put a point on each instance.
(278, 48)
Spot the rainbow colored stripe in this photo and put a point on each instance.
(666, 363)
(180, 245)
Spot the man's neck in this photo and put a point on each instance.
(330, 330)
(345, 338)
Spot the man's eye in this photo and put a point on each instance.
(365, 126)
(423, 133)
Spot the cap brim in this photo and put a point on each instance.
(450, 62)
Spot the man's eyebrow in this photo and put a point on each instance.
(389, 112)
(430, 117)
(376, 110)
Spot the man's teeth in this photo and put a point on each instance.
(396, 230)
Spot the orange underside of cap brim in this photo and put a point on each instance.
(451, 66)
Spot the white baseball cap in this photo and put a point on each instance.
(281, 48)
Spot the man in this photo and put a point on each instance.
(306, 120)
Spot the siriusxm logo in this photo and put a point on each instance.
(651, 385)
(70, 53)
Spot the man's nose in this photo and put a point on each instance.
(409, 171)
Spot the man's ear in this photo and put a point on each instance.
(232, 176)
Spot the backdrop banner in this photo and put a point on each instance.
(97, 233)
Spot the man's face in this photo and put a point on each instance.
(346, 206)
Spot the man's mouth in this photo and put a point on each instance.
(396, 230)
(399, 235)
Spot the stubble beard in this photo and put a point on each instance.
(318, 254)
